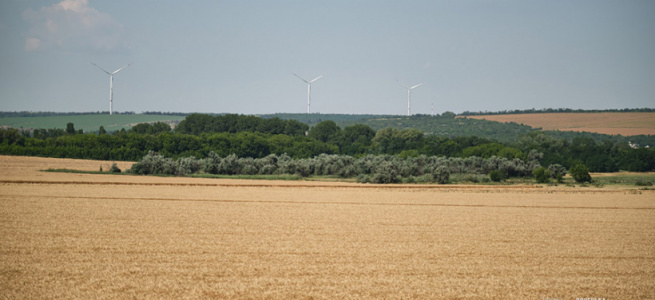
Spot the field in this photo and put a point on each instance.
(626, 124)
(102, 236)
(86, 122)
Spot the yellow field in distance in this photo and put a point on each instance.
(623, 123)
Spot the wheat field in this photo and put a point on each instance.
(101, 236)
(623, 123)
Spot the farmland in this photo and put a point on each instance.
(102, 236)
(623, 123)
(88, 123)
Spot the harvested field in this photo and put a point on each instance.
(626, 124)
(102, 236)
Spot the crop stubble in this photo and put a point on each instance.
(623, 123)
(77, 240)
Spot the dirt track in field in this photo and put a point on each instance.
(626, 124)
(101, 236)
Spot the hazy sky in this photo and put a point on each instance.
(238, 56)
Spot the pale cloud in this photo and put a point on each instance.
(73, 25)
(78, 6)
(32, 44)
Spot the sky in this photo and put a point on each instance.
(239, 56)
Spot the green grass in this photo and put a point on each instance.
(626, 179)
(253, 177)
(645, 180)
(83, 172)
(88, 123)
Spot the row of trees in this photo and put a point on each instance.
(598, 157)
(133, 146)
(232, 123)
(369, 168)
(325, 137)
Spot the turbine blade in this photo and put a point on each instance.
(401, 83)
(120, 69)
(101, 68)
(317, 78)
(294, 74)
(416, 86)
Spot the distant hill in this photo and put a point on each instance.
(449, 125)
(506, 129)
(312, 119)
(87, 122)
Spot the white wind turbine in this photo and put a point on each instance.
(309, 88)
(409, 94)
(111, 85)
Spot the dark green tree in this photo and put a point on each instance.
(70, 128)
(326, 131)
(356, 139)
(496, 176)
(541, 175)
(580, 173)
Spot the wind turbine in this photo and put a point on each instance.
(432, 113)
(309, 88)
(111, 85)
(409, 94)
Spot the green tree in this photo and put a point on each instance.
(160, 127)
(580, 173)
(102, 130)
(70, 128)
(541, 175)
(355, 139)
(496, 176)
(326, 131)
(557, 171)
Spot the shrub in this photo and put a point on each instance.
(113, 169)
(152, 163)
(471, 178)
(496, 176)
(541, 175)
(557, 172)
(363, 178)
(441, 175)
(386, 172)
(643, 183)
(580, 173)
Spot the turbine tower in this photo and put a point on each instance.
(111, 85)
(409, 94)
(432, 113)
(309, 88)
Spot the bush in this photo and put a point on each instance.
(580, 173)
(496, 176)
(441, 175)
(113, 169)
(643, 183)
(386, 172)
(363, 178)
(541, 175)
(557, 172)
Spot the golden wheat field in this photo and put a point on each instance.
(623, 123)
(107, 236)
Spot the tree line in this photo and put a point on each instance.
(16, 114)
(252, 137)
(368, 168)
